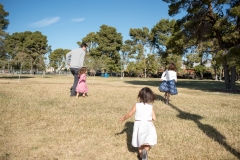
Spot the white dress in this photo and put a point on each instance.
(144, 132)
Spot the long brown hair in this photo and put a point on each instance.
(82, 71)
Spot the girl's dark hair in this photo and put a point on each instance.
(146, 95)
(82, 70)
(172, 66)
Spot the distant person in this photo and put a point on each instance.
(168, 85)
(144, 133)
(75, 59)
(82, 85)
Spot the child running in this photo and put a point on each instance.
(168, 85)
(144, 133)
(82, 85)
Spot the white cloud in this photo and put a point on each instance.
(45, 22)
(77, 19)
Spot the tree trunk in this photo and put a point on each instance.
(233, 78)
(215, 72)
(226, 76)
(31, 71)
(221, 73)
(20, 71)
(93, 78)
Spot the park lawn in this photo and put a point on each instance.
(40, 121)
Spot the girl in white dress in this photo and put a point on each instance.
(144, 132)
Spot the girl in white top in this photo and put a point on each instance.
(170, 76)
(144, 132)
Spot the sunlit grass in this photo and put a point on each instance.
(40, 121)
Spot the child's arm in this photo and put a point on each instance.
(82, 78)
(129, 114)
(163, 77)
(175, 77)
(153, 116)
(68, 56)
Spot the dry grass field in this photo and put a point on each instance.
(39, 121)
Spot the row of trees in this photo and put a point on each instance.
(209, 30)
(143, 53)
(21, 50)
(210, 27)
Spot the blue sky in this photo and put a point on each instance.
(65, 22)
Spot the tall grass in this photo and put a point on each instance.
(40, 121)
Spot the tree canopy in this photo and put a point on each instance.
(57, 59)
(30, 45)
(106, 44)
(209, 27)
(3, 26)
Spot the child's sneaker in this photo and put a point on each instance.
(167, 102)
(144, 154)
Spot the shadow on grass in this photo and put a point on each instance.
(205, 85)
(128, 129)
(21, 77)
(208, 130)
(159, 97)
(16, 77)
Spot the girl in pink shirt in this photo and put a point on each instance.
(82, 85)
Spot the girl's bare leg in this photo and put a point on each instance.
(168, 96)
(147, 147)
(140, 151)
(77, 95)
